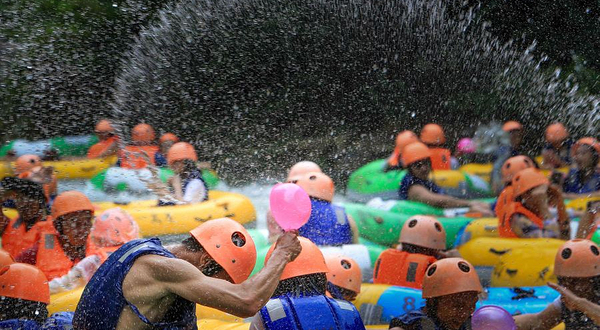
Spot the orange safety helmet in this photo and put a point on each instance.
(528, 179)
(556, 133)
(433, 134)
(168, 137)
(26, 163)
(303, 167)
(317, 185)
(415, 152)
(309, 261)
(5, 258)
(24, 281)
(405, 138)
(181, 151)
(450, 276)
(513, 166)
(230, 245)
(424, 231)
(143, 133)
(512, 126)
(344, 272)
(114, 227)
(69, 202)
(577, 258)
(104, 126)
(589, 141)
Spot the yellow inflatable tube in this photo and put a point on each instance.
(484, 227)
(580, 204)
(81, 168)
(487, 251)
(179, 219)
(525, 267)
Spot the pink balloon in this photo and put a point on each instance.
(290, 205)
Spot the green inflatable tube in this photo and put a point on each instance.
(383, 227)
(76, 146)
(6, 148)
(210, 177)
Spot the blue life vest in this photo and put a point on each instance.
(409, 180)
(18, 324)
(314, 312)
(575, 186)
(418, 320)
(102, 300)
(59, 321)
(328, 224)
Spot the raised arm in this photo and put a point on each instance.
(421, 194)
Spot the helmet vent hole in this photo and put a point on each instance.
(238, 239)
(431, 270)
(566, 253)
(507, 166)
(346, 264)
(594, 250)
(438, 227)
(464, 267)
(313, 177)
(412, 223)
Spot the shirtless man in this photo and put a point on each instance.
(144, 285)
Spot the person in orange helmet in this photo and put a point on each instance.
(514, 130)
(143, 151)
(584, 179)
(26, 163)
(432, 135)
(450, 288)
(144, 284)
(510, 168)
(66, 243)
(24, 297)
(166, 141)
(577, 267)
(5, 258)
(299, 301)
(529, 214)
(303, 167)
(344, 277)
(416, 185)
(404, 138)
(557, 152)
(422, 242)
(108, 143)
(23, 232)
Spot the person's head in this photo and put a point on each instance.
(433, 135)
(306, 275)
(416, 158)
(465, 146)
(344, 277)
(180, 154)
(317, 185)
(577, 267)
(28, 196)
(403, 139)
(5, 258)
(143, 134)
(556, 134)
(27, 163)
(72, 216)
(24, 293)
(166, 141)
(221, 248)
(451, 287)
(113, 228)
(586, 153)
(530, 187)
(303, 167)
(104, 130)
(514, 165)
(515, 132)
(423, 234)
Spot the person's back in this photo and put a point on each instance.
(143, 152)
(510, 168)
(108, 141)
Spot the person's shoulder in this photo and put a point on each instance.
(409, 319)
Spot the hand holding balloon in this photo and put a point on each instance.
(290, 206)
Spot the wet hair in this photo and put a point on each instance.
(191, 244)
(15, 308)
(305, 285)
(212, 267)
(411, 248)
(337, 292)
(58, 222)
(595, 284)
(26, 188)
(189, 167)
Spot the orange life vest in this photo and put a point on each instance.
(51, 258)
(17, 239)
(504, 199)
(440, 158)
(102, 252)
(401, 268)
(513, 208)
(134, 157)
(99, 148)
